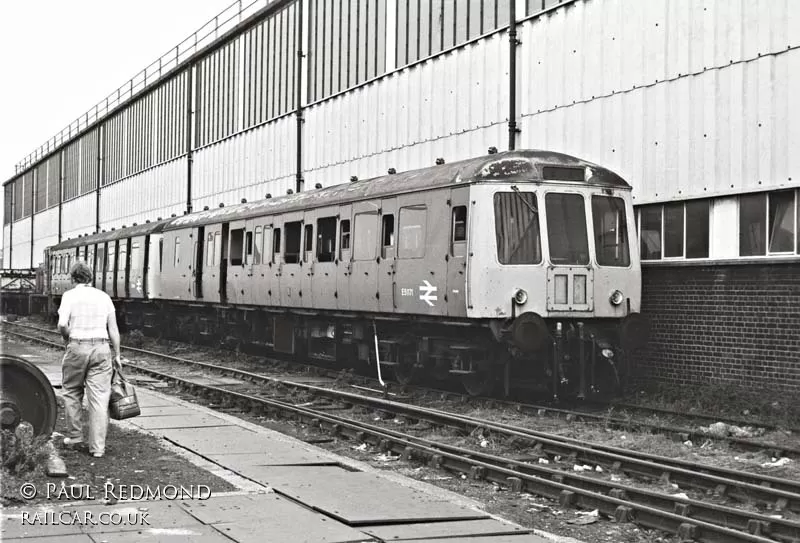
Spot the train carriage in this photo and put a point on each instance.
(515, 267)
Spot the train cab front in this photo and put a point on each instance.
(563, 282)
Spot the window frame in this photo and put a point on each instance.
(398, 232)
(537, 196)
(685, 237)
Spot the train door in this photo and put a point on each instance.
(343, 260)
(100, 267)
(111, 267)
(417, 287)
(223, 264)
(324, 277)
(457, 252)
(259, 282)
(237, 271)
(275, 263)
(248, 283)
(291, 283)
(154, 265)
(388, 255)
(308, 261)
(363, 278)
(123, 266)
(135, 282)
(198, 261)
(212, 253)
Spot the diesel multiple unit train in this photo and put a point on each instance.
(516, 269)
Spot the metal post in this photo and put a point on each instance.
(299, 181)
(556, 360)
(189, 157)
(512, 76)
(582, 356)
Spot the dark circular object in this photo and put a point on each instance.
(529, 332)
(26, 396)
(634, 332)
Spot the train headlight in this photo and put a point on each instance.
(607, 353)
(520, 296)
(616, 297)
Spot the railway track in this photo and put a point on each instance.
(599, 414)
(690, 518)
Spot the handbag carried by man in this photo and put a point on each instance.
(123, 404)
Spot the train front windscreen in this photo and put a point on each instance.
(517, 229)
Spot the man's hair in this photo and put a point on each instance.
(81, 272)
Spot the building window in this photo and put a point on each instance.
(767, 223)
(674, 230)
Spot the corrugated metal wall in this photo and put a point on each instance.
(45, 233)
(453, 106)
(80, 166)
(684, 99)
(77, 216)
(21, 244)
(155, 192)
(6, 246)
(248, 165)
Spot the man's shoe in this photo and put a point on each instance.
(97, 455)
(72, 441)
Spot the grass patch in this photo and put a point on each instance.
(724, 400)
(24, 457)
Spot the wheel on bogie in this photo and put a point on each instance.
(479, 383)
(407, 369)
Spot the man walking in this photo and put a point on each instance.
(87, 322)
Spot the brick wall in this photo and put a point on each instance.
(735, 324)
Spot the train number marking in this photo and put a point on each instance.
(406, 291)
(428, 297)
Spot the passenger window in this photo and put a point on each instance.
(217, 249)
(459, 226)
(326, 239)
(388, 234)
(276, 245)
(366, 233)
(134, 256)
(237, 247)
(122, 261)
(210, 250)
(292, 253)
(308, 242)
(101, 258)
(413, 226)
(257, 243)
(248, 244)
(176, 257)
(344, 244)
(160, 254)
(516, 220)
(112, 250)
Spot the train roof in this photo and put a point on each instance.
(522, 166)
(111, 235)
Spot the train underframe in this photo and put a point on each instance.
(516, 357)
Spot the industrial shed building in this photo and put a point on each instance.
(690, 101)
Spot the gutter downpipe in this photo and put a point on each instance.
(513, 42)
(299, 181)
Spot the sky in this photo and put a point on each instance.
(60, 58)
